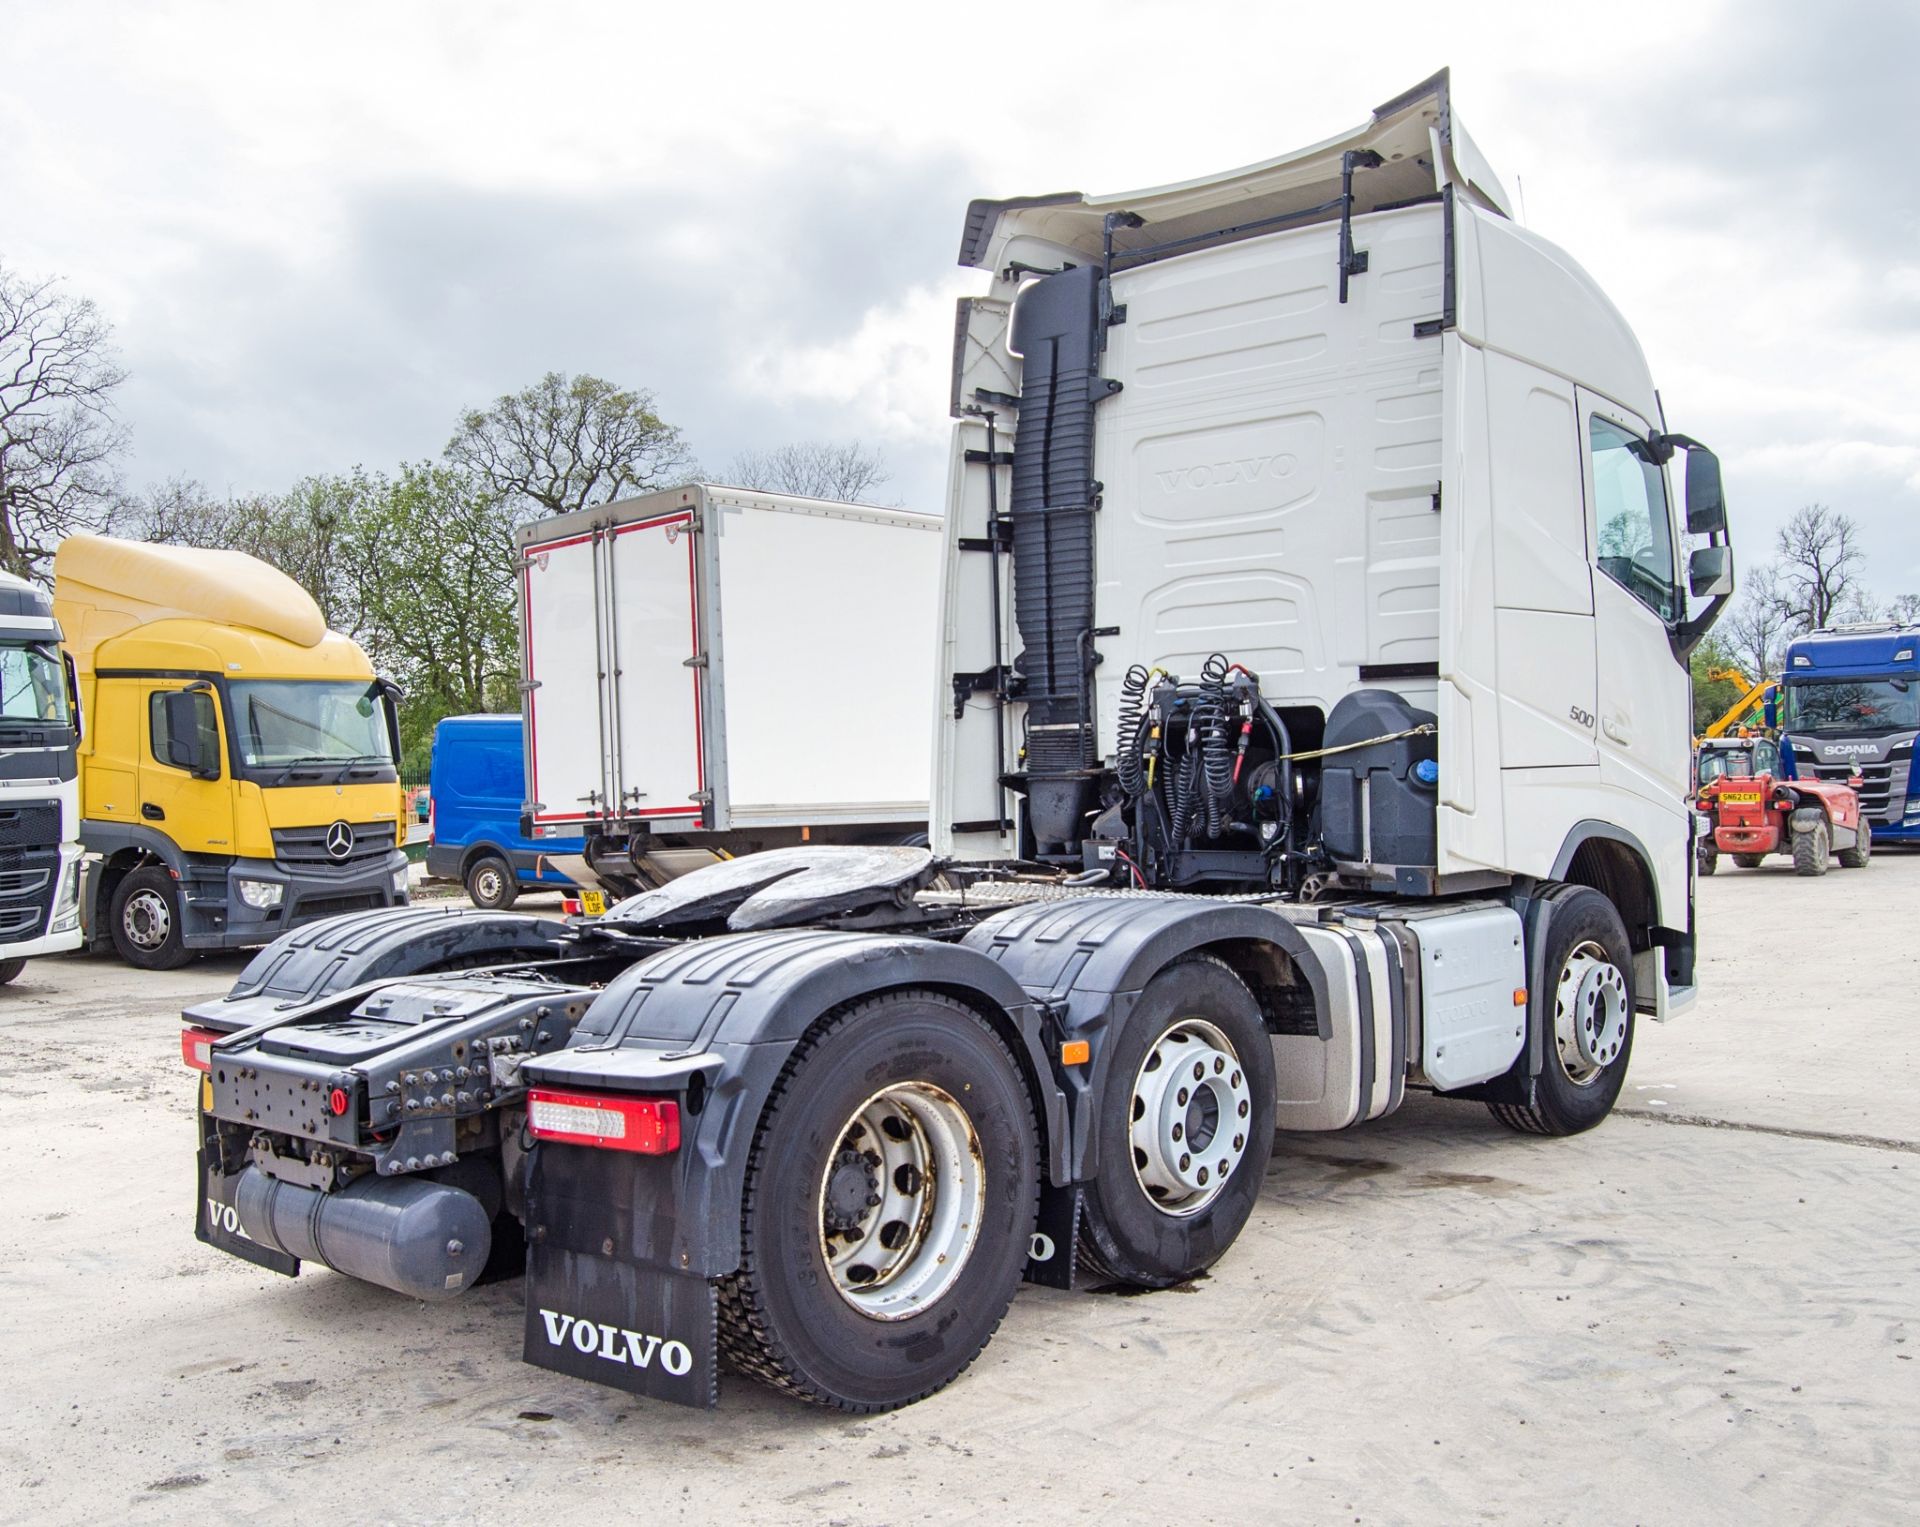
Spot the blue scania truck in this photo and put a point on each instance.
(1852, 705)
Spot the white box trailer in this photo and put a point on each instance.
(708, 662)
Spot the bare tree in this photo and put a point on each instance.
(849, 471)
(1761, 624)
(1904, 608)
(58, 432)
(569, 443)
(1819, 553)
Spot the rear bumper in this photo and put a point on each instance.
(215, 916)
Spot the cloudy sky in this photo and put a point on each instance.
(322, 230)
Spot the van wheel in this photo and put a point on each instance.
(1587, 1015)
(491, 883)
(1185, 1129)
(891, 1195)
(144, 920)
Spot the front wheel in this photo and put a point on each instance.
(1812, 846)
(10, 970)
(1856, 858)
(1709, 859)
(1186, 1128)
(144, 920)
(891, 1195)
(1589, 1029)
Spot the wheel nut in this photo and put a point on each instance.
(1243, 1108)
(1176, 1131)
(1219, 1064)
(1185, 1162)
(1181, 1096)
(1199, 1070)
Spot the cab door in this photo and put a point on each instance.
(196, 813)
(1643, 693)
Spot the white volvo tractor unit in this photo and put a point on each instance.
(1312, 727)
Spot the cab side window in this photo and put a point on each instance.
(1630, 512)
(204, 724)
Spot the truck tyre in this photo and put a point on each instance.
(10, 969)
(1811, 845)
(890, 1199)
(1588, 1027)
(1186, 1128)
(144, 920)
(1749, 861)
(491, 883)
(1856, 858)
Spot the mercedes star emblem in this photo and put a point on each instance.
(339, 841)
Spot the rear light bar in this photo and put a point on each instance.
(196, 1048)
(650, 1126)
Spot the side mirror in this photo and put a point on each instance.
(1706, 500)
(1710, 572)
(73, 693)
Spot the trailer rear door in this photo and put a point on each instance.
(614, 708)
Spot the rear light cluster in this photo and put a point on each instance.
(196, 1048)
(650, 1126)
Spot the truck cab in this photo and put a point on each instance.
(239, 776)
(477, 793)
(39, 794)
(1852, 706)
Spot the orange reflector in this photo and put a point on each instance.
(1519, 996)
(1075, 1052)
(196, 1048)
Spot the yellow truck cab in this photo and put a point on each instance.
(237, 773)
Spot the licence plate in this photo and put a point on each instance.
(593, 903)
(1740, 797)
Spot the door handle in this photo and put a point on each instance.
(152, 812)
(1616, 730)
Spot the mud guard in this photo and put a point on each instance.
(632, 1243)
(1089, 958)
(324, 958)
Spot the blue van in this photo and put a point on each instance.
(477, 787)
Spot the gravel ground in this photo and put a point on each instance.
(1704, 1311)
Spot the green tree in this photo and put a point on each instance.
(432, 551)
(569, 443)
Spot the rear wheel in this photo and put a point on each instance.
(1856, 858)
(890, 1202)
(1749, 861)
(1812, 846)
(1186, 1128)
(1589, 1027)
(1709, 858)
(491, 883)
(144, 920)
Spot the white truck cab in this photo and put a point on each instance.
(1353, 427)
(39, 787)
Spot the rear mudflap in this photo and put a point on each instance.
(637, 1328)
(216, 1220)
(616, 1293)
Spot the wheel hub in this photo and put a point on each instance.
(1590, 1014)
(1191, 1109)
(147, 920)
(901, 1200)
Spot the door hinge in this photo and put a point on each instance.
(698, 660)
(702, 797)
